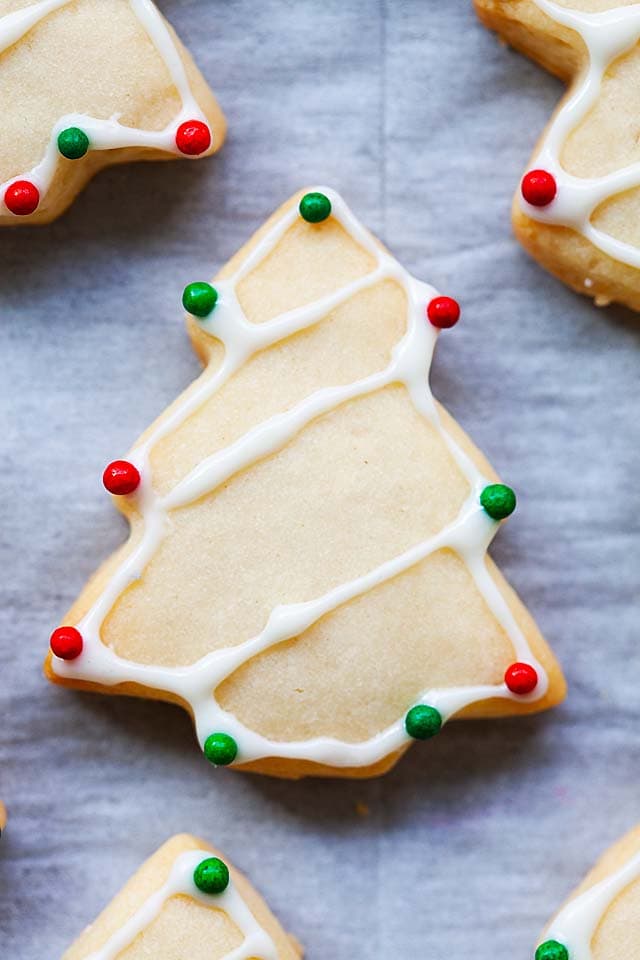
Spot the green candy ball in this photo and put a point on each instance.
(423, 722)
(552, 950)
(211, 875)
(220, 749)
(315, 207)
(73, 143)
(199, 299)
(498, 500)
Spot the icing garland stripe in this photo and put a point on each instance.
(105, 134)
(607, 35)
(469, 534)
(256, 944)
(575, 926)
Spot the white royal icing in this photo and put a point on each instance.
(469, 534)
(607, 35)
(104, 134)
(576, 924)
(256, 945)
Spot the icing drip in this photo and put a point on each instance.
(257, 944)
(607, 35)
(469, 534)
(577, 922)
(105, 134)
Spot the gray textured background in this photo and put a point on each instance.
(424, 122)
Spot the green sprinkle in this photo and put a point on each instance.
(220, 749)
(498, 500)
(211, 875)
(552, 950)
(315, 207)
(73, 143)
(199, 299)
(423, 722)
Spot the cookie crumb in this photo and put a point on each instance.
(602, 301)
(362, 809)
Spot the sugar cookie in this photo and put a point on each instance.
(576, 210)
(601, 919)
(307, 569)
(185, 901)
(86, 84)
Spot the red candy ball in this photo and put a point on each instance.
(22, 198)
(539, 187)
(121, 478)
(193, 138)
(66, 643)
(521, 678)
(443, 312)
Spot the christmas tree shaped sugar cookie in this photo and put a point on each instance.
(307, 569)
(185, 902)
(601, 919)
(576, 210)
(89, 83)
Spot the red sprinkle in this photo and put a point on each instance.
(66, 643)
(121, 478)
(521, 678)
(22, 198)
(539, 187)
(193, 138)
(443, 312)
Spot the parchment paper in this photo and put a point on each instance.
(424, 122)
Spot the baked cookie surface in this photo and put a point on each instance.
(577, 208)
(88, 83)
(601, 919)
(185, 901)
(307, 571)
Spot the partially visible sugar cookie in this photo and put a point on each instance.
(307, 569)
(3, 816)
(601, 919)
(186, 901)
(88, 83)
(577, 210)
